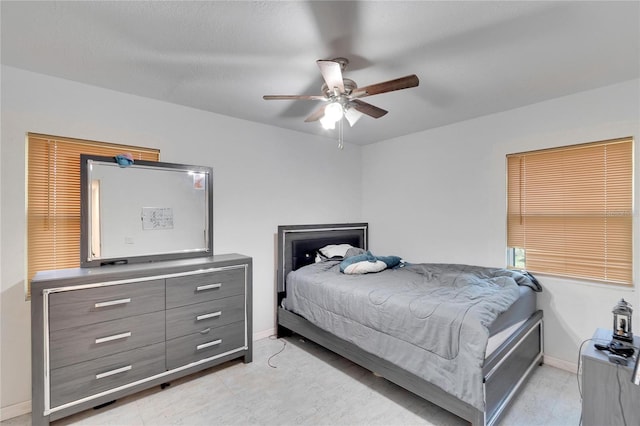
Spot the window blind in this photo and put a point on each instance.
(570, 209)
(53, 197)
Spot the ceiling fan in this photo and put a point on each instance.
(342, 95)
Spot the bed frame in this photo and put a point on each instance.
(505, 371)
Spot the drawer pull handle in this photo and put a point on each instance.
(112, 303)
(207, 316)
(208, 287)
(114, 337)
(209, 344)
(206, 330)
(112, 372)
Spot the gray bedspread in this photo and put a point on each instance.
(430, 319)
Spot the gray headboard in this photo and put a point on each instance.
(298, 244)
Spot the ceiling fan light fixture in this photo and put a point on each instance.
(333, 112)
(352, 115)
(327, 123)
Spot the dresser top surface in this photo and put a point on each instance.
(138, 269)
(603, 337)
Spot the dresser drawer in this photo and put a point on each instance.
(73, 345)
(198, 288)
(92, 305)
(200, 316)
(194, 347)
(91, 377)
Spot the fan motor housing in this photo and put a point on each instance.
(349, 86)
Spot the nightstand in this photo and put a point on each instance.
(607, 391)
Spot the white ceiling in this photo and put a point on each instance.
(472, 58)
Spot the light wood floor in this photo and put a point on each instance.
(312, 386)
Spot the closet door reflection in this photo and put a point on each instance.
(95, 219)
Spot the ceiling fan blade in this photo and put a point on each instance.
(387, 86)
(316, 115)
(332, 73)
(352, 115)
(303, 97)
(365, 108)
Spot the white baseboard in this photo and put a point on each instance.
(15, 410)
(561, 364)
(264, 334)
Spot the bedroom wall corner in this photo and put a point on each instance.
(445, 197)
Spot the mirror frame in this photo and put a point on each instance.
(85, 199)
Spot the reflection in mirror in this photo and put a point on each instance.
(143, 212)
(95, 219)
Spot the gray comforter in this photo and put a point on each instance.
(429, 319)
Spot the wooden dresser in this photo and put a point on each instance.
(99, 334)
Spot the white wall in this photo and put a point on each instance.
(433, 196)
(263, 177)
(439, 196)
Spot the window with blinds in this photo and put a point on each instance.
(53, 197)
(569, 211)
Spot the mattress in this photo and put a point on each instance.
(520, 310)
(510, 320)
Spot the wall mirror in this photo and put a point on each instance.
(144, 212)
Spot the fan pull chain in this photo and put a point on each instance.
(340, 135)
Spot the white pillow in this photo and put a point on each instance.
(365, 267)
(335, 250)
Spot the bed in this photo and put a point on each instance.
(476, 374)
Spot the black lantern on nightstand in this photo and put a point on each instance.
(622, 322)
